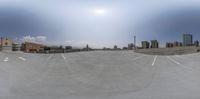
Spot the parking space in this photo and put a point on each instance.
(99, 75)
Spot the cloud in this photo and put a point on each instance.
(83, 43)
(41, 38)
(28, 39)
(74, 43)
(36, 39)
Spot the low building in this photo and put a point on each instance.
(196, 43)
(68, 48)
(54, 49)
(180, 44)
(0, 45)
(130, 46)
(87, 48)
(16, 47)
(154, 44)
(115, 46)
(6, 44)
(177, 44)
(105, 48)
(169, 45)
(30, 47)
(145, 44)
(125, 48)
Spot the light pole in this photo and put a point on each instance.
(134, 41)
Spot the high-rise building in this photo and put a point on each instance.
(145, 44)
(187, 39)
(154, 44)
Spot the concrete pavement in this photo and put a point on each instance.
(99, 75)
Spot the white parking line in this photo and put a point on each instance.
(154, 60)
(63, 56)
(173, 60)
(6, 59)
(182, 57)
(22, 58)
(138, 57)
(49, 57)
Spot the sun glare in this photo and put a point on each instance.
(100, 12)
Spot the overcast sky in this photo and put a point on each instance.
(98, 22)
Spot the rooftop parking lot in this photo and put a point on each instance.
(99, 75)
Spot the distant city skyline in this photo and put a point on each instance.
(99, 23)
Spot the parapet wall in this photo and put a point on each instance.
(169, 51)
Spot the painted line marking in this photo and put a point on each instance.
(63, 56)
(154, 60)
(49, 57)
(22, 58)
(182, 57)
(138, 57)
(173, 60)
(6, 59)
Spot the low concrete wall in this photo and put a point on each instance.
(169, 51)
(7, 48)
